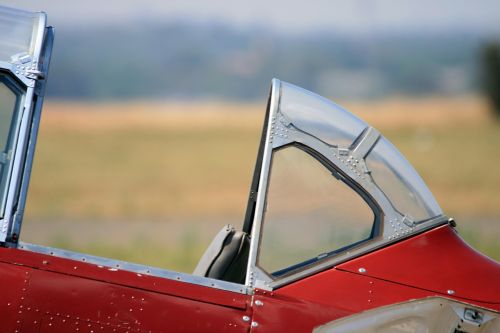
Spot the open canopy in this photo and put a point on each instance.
(25, 47)
(19, 32)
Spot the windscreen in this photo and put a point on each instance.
(319, 117)
(18, 33)
(390, 171)
(310, 213)
(10, 101)
(399, 181)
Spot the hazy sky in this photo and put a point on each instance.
(351, 16)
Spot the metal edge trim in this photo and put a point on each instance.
(262, 190)
(136, 268)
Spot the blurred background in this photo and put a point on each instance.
(154, 108)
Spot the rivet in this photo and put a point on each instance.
(362, 270)
(450, 292)
(254, 324)
(259, 303)
(246, 318)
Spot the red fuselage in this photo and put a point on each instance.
(43, 293)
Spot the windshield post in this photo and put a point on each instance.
(25, 50)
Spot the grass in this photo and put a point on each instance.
(95, 165)
(153, 182)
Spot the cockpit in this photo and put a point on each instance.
(327, 187)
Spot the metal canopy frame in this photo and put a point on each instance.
(30, 72)
(280, 131)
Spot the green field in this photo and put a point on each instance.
(152, 183)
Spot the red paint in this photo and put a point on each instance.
(437, 260)
(122, 277)
(47, 294)
(42, 293)
(336, 293)
(13, 284)
(341, 291)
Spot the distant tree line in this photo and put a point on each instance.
(490, 75)
(186, 61)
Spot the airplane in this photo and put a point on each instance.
(341, 234)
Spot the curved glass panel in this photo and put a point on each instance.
(18, 33)
(319, 117)
(310, 213)
(402, 185)
(10, 100)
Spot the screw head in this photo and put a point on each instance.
(362, 270)
(254, 324)
(246, 318)
(259, 303)
(450, 292)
